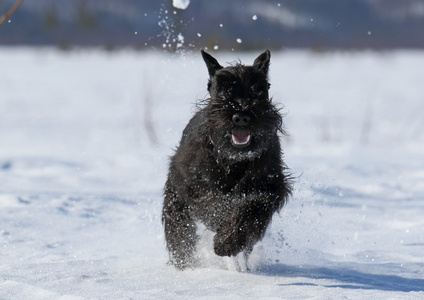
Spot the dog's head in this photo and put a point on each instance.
(242, 122)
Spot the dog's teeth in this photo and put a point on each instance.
(235, 141)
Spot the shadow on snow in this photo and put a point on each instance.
(349, 279)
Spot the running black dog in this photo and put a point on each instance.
(228, 171)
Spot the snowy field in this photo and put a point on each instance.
(85, 138)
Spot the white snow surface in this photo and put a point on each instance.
(82, 178)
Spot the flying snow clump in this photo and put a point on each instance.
(181, 4)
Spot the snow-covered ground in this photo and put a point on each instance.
(81, 177)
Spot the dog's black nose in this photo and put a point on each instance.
(241, 119)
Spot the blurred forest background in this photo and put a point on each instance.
(217, 24)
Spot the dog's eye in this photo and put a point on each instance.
(226, 93)
(258, 91)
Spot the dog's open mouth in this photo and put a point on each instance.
(240, 137)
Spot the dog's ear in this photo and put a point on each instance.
(262, 61)
(211, 63)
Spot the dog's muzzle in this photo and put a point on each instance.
(240, 136)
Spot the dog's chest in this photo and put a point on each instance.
(232, 180)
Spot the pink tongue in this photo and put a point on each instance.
(241, 135)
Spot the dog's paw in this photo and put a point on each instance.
(228, 241)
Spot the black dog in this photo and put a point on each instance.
(227, 172)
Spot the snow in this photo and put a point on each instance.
(82, 178)
(181, 4)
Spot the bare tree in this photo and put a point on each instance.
(7, 15)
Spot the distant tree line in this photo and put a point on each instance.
(218, 24)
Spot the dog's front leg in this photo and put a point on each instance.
(180, 232)
(240, 230)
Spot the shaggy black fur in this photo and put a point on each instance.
(227, 172)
